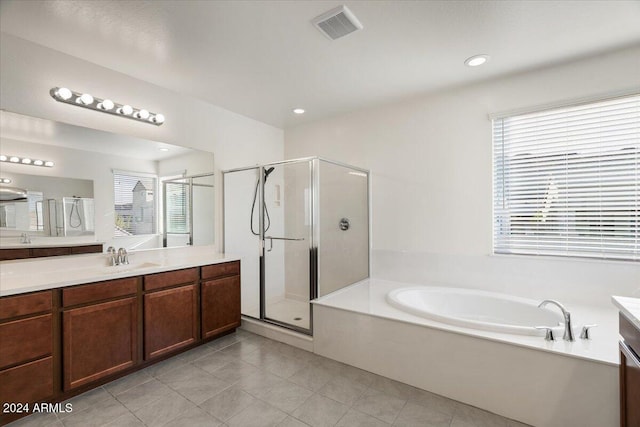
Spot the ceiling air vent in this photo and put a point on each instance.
(337, 23)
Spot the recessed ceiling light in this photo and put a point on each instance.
(164, 149)
(476, 60)
(298, 110)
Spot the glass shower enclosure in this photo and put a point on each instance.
(301, 228)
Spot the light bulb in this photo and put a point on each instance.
(158, 119)
(85, 99)
(48, 164)
(38, 162)
(298, 110)
(14, 159)
(164, 149)
(3, 158)
(64, 93)
(6, 180)
(476, 60)
(142, 114)
(126, 110)
(26, 161)
(106, 105)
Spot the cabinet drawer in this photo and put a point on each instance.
(220, 270)
(25, 339)
(21, 305)
(88, 249)
(6, 254)
(99, 291)
(170, 278)
(31, 382)
(43, 252)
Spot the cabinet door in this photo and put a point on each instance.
(629, 388)
(99, 340)
(220, 305)
(170, 320)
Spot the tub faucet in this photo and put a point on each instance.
(568, 332)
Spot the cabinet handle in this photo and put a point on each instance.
(629, 354)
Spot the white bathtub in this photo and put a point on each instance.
(476, 309)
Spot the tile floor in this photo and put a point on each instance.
(244, 380)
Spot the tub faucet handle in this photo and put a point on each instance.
(585, 331)
(548, 336)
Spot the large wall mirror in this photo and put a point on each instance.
(103, 187)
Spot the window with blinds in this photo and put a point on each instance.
(177, 205)
(135, 203)
(567, 181)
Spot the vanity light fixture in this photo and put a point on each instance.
(5, 180)
(86, 100)
(476, 60)
(26, 161)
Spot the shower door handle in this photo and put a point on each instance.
(271, 239)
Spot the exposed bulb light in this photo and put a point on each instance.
(125, 110)
(142, 114)
(476, 60)
(298, 110)
(164, 149)
(25, 161)
(64, 93)
(85, 100)
(106, 105)
(5, 181)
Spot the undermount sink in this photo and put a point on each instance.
(116, 269)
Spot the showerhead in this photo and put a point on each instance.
(267, 172)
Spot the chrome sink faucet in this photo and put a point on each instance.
(568, 332)
(113, 258)
(25, 238)
(123, 256)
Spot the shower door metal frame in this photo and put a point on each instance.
(190, 183)
(314, 191)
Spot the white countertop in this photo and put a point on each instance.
(47, 242)
(36, 274)
(630, 307)
(369, 297)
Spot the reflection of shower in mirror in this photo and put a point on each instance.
(77, 214)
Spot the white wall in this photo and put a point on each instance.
(431, 164)
(28, 71)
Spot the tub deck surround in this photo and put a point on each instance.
(29, 275)
(546, 384)
(630, 307)
(370, 297)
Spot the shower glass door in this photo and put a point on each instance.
(288, 233)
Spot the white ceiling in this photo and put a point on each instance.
(48, 132)
(262, 58)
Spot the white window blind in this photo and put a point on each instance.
(567, 181)
(177, 203)
(135, 203)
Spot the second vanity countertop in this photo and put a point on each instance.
(29, 275)
(47, 242)
(630, 307)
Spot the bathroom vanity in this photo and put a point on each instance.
(629, 360)
(38, 251)
(62, 340)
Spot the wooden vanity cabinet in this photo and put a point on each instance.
(171, 313)
(100, 330)
(629, 374)
(26, 350)
(220, 298)
(47, 251)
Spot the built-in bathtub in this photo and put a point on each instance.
(453, 348)
(475, 309)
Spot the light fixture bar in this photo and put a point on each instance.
(26, 161)
(63, 94)
(5, 181)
